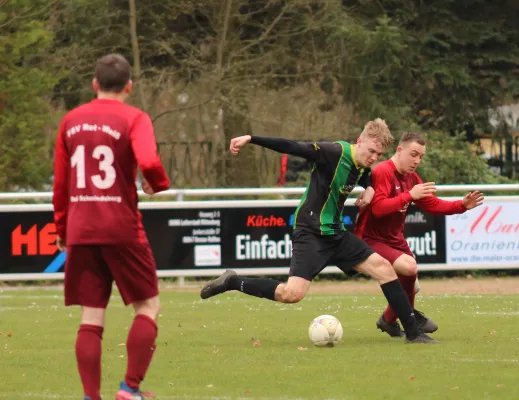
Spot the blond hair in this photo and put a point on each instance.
(379, 131)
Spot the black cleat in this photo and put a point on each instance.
(392, 329)
(422, 338)
(217, 286)
(425, 324)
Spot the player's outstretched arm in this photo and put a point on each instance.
(434, 205)
(473, 200)
(144, 148)
(310, 151)
(238, 142)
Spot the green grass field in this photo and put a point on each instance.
(206, 349)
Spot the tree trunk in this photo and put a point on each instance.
(240, 171)
(136, 55)
(233, 171)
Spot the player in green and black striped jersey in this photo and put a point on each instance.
(334, 175)
(320, 237)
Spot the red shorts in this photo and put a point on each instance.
(389, 253)
(90, 271)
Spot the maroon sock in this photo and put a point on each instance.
(390, 315)
(88, 355)
(407, 283)
(140, 347)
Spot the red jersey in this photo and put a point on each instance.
(383, 220)
(98, 148)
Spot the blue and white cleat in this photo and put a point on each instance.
(127, 393)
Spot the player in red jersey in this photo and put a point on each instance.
(99, 146)
(381, 224)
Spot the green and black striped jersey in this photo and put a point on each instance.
(333, 177)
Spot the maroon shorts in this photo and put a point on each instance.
(90, 271)
(389, 253)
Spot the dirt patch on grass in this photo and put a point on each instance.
(428, 286)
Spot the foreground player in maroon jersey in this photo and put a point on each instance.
(98, 149)
(381, 224)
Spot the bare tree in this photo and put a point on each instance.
(136, 54)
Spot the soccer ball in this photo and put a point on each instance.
(325, 331)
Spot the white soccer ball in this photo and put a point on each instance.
(325, 331)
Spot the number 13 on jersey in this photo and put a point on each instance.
(105, 155)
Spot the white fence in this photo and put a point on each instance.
(507, 205)
(181, 194)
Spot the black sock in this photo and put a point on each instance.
(398, 300)
(259, 287)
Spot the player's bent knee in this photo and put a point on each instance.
(149, 307)
(380, 269)
(291, 296)
(93, 316)
(293, 291)
(405, 265)
(411, 268)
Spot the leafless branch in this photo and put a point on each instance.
(267, 31)
(223, 38)
(23, 16)
(174, 110)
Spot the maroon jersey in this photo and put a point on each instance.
(98, 148)
(383, 220)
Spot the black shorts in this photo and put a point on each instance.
(311, 253)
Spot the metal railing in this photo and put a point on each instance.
(182, 194)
